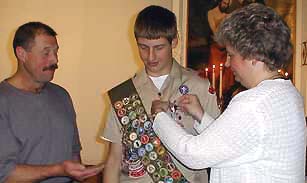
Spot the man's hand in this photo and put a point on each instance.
(159, 106)
(79, 171)
(190, 104)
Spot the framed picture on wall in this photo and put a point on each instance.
(205, 55)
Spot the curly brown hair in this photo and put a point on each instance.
(257, 32)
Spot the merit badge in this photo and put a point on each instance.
(121, 112)
(137, 144)
(133, 156)
(140, 110)
(147, 125)
(183, 89)
(166, 158)
(125, 120)
(136, 103)
(144, 139)
(149, 147)
(143, 118)
(160, 150)
(141, 152)
(134, 97)
(132, 115)
(135, 123)
(145, 160)
(183, 180)
(140, 131)
(163, 172)
(126, 100)
(176, 174)
(170, 166)
(156, 176)
(168, 180)
(151, 168)
(129, 107)
(159, 163)
(118, 105)
(156, 142)
(133, 136)
(153, 155)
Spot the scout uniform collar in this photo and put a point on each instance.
(174, 79)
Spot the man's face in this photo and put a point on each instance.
(224, 5)
(41, 59)
(156, 55)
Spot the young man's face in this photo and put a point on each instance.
(42, 55)
(156, 55)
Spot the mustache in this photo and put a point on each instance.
(51, 67)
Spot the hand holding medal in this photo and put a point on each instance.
(190, 103)
(159, 106)
(175, 110)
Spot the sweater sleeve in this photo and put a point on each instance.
(233, 134)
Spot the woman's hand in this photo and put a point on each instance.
(159, 106)
(190, 104)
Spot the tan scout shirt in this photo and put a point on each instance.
(170, 92)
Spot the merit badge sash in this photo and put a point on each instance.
(144, 151)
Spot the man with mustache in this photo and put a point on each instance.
(39, 140)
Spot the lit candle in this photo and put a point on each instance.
(221, 81)
(206, 72)
(213, 76)
(286, 74)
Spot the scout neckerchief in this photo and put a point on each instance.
(139, 137)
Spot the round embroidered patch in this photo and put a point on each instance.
(183, 89)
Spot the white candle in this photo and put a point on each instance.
(221, 81)
(213, 76)
(206, 72)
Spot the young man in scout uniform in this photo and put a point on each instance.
(135, 153)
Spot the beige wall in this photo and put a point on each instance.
(97, 51)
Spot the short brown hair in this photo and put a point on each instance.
(26, 33)
(154, 22)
